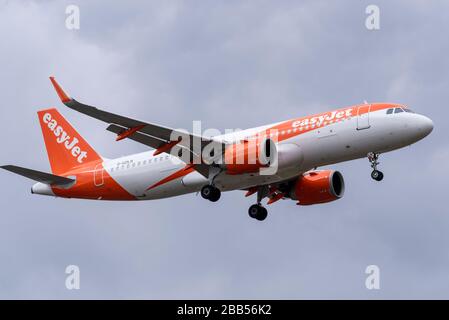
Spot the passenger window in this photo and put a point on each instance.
(398, 110)
(390, 111)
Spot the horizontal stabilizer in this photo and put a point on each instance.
(39, 176)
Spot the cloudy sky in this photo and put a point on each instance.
(230, 64)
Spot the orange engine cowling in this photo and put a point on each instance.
(248, 157)
(318, 187)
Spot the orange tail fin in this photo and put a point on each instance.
(66, 148)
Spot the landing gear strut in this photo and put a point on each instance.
(211, 193)
(373, 159)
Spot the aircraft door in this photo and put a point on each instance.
(99, 175)
(363, 117)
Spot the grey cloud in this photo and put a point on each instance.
(229, 64)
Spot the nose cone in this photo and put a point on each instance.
(419, 127)
(425, 126)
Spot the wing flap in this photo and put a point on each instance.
(137, 136)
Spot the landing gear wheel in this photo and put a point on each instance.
(263, 214)
(374, 160)
(211, 193)
(206, 192)
(253, 211)
(258, 212)
(377, 175)
(215, 196)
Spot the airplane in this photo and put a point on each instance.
(292, 150)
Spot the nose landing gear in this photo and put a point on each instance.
(373, 159)
(377, 175)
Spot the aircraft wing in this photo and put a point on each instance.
(273, 191)
(162, 138)
(39, 176)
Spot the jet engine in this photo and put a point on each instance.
(318, 187)
(249, 157)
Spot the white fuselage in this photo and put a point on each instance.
(349, 139)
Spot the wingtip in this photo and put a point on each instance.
(62, 95)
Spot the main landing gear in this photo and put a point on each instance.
(256, 211)
(211, 193)
(373, 159)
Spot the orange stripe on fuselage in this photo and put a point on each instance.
(85, 187)
(298, 126)
(178, 174)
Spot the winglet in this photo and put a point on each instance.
(62, 95)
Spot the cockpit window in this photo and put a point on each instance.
(408, 110)
(398, 110)
(390, 111)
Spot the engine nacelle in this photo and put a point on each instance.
(251, 157)
(318, 187)
(248, 156)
